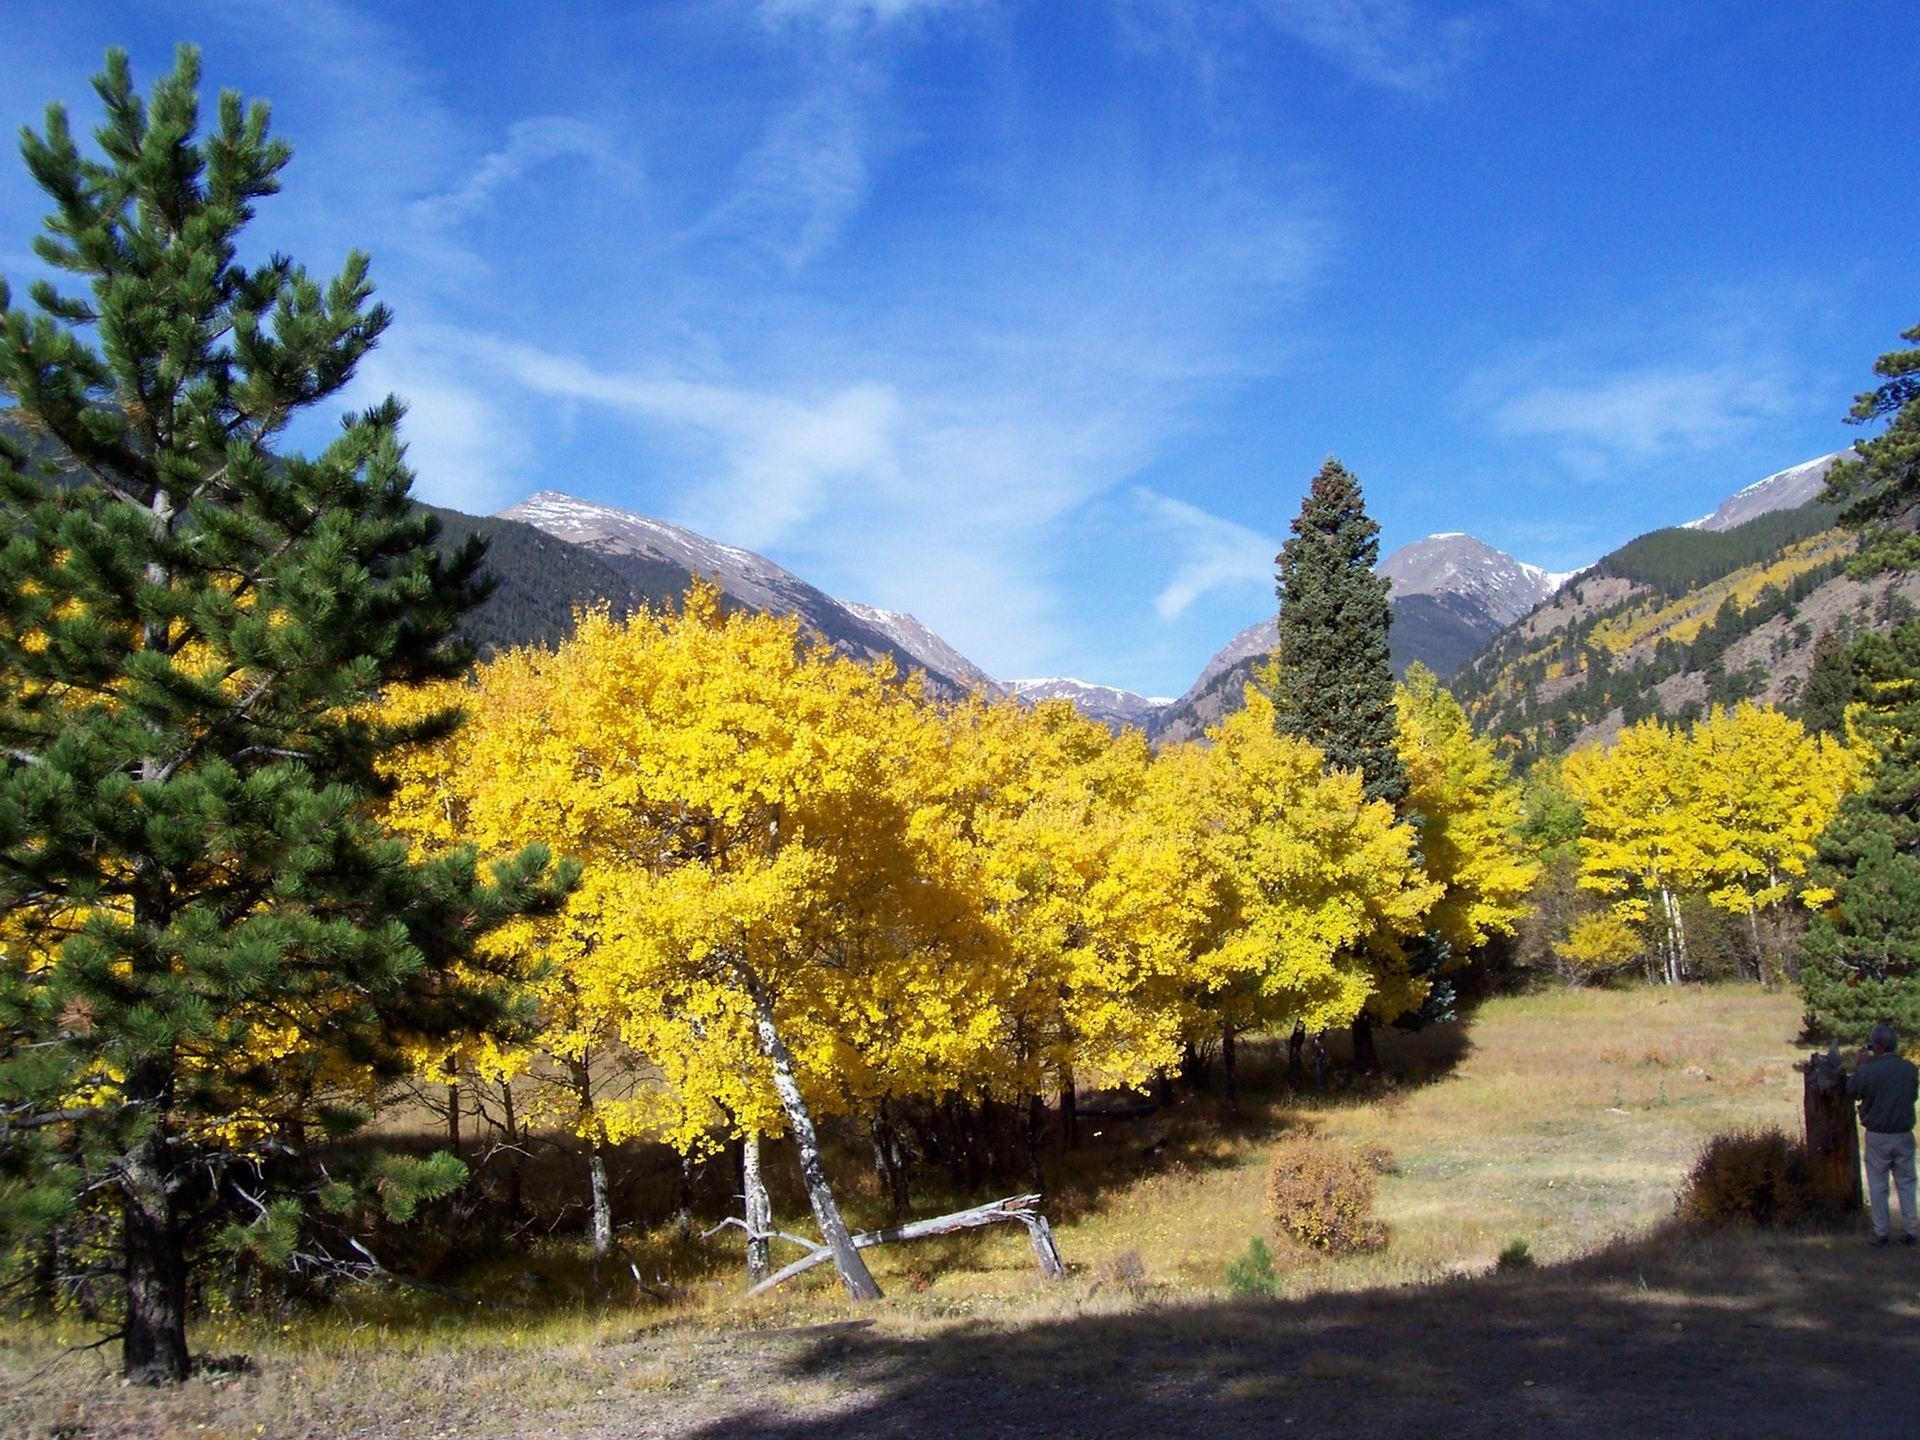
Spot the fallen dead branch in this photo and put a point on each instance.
(1015, 1209)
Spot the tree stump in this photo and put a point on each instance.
(1833, 1139)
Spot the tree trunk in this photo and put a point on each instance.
(806, 1142)
(600, 1206)
(1296, 1042)
(1069, 1111)
(683, 1188)
(1833, 1141)
(1015, 1208)
(1162, 1088)
(1366, 1057)
(1229, 1069)
(759, 1208)
(453, 1116)
(599, 1202)
(889, 1161)
(154, 1346)
(1036, 1124)
(1676, 938)
(516, 1200)
(1319, 1062)
(1195, 1067)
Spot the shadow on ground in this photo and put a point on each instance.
(1744, 1335)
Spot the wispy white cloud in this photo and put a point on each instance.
(919, 413)
(1391, 43)
(1643, 388)
(796, 190)
(1215, 553)
(850, 13)
(772, 461)
(1641, 413)
(468, 451)
(530, 143)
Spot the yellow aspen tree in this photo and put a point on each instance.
(1641, 843)
(1326, 885)
(1765, 789)
(494, 778)
(766, 913)
(1471, 813)
(1075, 893)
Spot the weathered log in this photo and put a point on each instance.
(1833, 1139)
(1016, 1209)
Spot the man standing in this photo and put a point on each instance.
(1885, 1084)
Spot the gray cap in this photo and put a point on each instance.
(1884, 1039)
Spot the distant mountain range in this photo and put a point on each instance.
(659, 560)
(1452, 593)
(1731, 604)
(1115, 708)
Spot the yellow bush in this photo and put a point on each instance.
(1749, 1177)
(1600, 943)
(1322, 1196)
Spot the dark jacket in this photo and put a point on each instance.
(1885, 1086)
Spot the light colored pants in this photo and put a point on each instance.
(1890, 1153)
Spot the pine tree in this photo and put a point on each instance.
(1333, 686)
(1862, 952)
(1879, 485)
(1829, 688)
(1862, 964)
(1332, 679)
(213, 954)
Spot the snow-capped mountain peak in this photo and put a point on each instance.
(1454, 563)
(1106, 703)
(1782, 490)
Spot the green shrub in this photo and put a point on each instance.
(1322, 1195)
(1515, 1257)
(1252, 1274)
(1749, 1177)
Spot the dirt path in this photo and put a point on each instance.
(1746, 1336)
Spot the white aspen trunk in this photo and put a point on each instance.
(759, 1208)
(1680, 966)
(599, 1201)
(1676, 938)
(806, 1143)
(602, 1206)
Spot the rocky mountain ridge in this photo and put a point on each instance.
(655, 556)
(1112, 707)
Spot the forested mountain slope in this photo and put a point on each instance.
(1674, 622)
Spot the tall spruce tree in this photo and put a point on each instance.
(1333, 684)
(212, 952)
(1332, 680)
(1862, 951)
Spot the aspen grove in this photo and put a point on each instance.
(808, 890)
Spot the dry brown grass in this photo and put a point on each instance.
(1565, 1119)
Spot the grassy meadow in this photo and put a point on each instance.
(1563, 1119)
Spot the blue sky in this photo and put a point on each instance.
(1034, 319)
